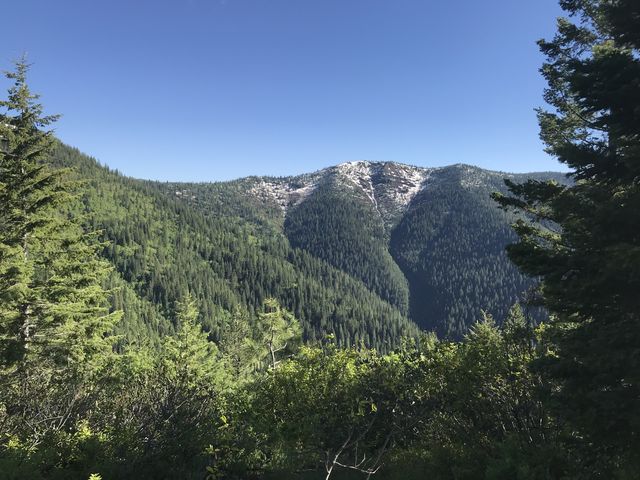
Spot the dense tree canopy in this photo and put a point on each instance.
(585, 243)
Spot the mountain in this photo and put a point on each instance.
(429, 241)
(365, 251)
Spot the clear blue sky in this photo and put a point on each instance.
(218, 89)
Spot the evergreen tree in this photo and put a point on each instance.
(585, 239)
(277, 329)
(50, 275)
(27, 191)
(236, 345)
(167, 402)
(54, 313)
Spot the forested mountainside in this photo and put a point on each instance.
(429, 242)
(163, 248)
(362, 251)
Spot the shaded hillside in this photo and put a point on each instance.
(450, 244)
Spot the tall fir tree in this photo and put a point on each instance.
(583, 240)
(51, 276)
(54, 313)
(28, 194)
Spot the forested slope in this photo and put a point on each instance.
(363, 251)
(163, 248)
(428, 241)
(450, 244)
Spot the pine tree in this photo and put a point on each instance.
(54, 312)
(236, 345)
(167, 406)
(584, 240)
(277, 329)
(27, 193)
(50, 275)
(189, 357)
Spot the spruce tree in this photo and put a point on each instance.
(54, 312)
(50, 273)
(583, 240)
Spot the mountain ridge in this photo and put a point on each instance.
(369, 254)
(372, 202)
(290, 190)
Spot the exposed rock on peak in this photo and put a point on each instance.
(286, 193)
(389, 186)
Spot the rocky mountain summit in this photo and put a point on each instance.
(390, 187)
(429, 242)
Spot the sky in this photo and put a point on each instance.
(206, 90)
